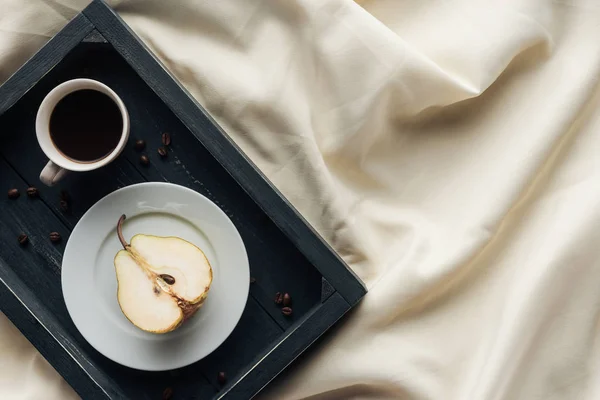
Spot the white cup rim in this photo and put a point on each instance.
(42, 124)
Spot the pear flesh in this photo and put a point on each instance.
(162, 281)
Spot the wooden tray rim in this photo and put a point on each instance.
(99, 21)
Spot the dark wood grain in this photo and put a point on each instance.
(27, 76)
(225, 151)
(94, 37)
(40, 259)
(326, 290)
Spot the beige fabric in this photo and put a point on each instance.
(448, 150)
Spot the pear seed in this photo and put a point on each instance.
(168, 279)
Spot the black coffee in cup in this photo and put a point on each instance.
(86, 125)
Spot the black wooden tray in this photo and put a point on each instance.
(98, 45)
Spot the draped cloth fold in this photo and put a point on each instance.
(446, 149)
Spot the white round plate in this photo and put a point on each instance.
(90, 287)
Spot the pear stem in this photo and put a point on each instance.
(120, 232)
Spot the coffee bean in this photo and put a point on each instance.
(23, 239)
(166, 139)
(252, 279)
(13, 194)
(162, 151)
(221, 378)
(167, 394)
(144, 160)
(140, 145)
(287, 311)
(287, 300)
(55, 237)
(32, 192)
(278, 298)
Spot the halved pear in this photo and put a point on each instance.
(162, 281)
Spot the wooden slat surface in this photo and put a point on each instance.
(38, 263)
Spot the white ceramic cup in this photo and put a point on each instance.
(59, 165)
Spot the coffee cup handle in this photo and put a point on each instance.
(52, 173)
